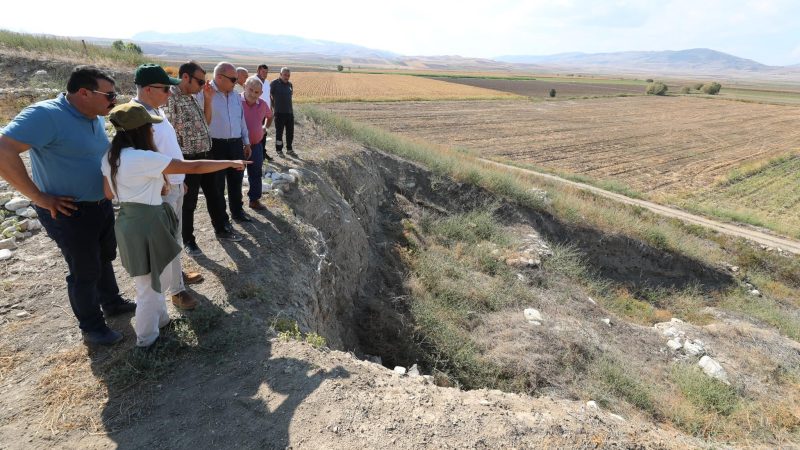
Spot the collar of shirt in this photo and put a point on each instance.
(62, 98)
(151, 110)
(244, 100)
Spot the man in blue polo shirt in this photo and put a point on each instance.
(67, 139)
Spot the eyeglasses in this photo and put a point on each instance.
(110, 95)
(200, 81)
(164, 89)
(232, 79)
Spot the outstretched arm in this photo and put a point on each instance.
(203, 166)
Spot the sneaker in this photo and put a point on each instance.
(267, 157)
(257, 205)
(291, 153)
(184, 300)
(115, 309)
(228, 235)
(280, 153)
(192, 249)
(104, 336)
(192, 277)
(242, 217)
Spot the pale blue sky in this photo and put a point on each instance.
(767, 31)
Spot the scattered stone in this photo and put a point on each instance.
(674, 344)
(533, 316)
(17, 203)
(755, 293)
(676, 320)
(27, 212)
(400, 370)
(413, 371)
(616, 417)
(428, 379)
(30, 225)
(8, 244)
(693, 348)
(40, 73)
(713, 369)
(22, 313)
(5, 197)
(606, 321)
(523, 262)
(591, 300)
(734, 269)
(296, 174)
(591, 404)
(672, 332)
(5, 254)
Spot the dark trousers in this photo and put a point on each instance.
(255, 172)
(229, 149)
(87, 241)
(214, 202)
(284, 120)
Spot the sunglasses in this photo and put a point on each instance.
(232, 79)
(164, 89)
(200, 81)
(110, 95)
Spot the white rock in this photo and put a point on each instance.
(755, 292)
(591, 301)
(400, 370)
(521, 277)
(8, 244)
(676, 320)
(606, 321)
(533, 315)
(26, 235)
(27, 212)
(17, 203)
(535, 322)
(5, 254)
(34, 224)
(428, 379)
(674, 344)
(22, 313)
(672, 332)
(713, 369)
(616, 417)
(40, 73)
(296, 174)
(413, 371)
(5, 197)
(692, 348)
(591, 404)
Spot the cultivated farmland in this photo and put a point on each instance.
(357, 87)
(672, 150)
(540, 87)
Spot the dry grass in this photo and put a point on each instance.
(9, 360)
(322, 87)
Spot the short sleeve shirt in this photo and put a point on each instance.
(66, 148)
(139, 177)
(282, 96)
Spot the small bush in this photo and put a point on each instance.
(649, 80)
(711, 88)
(552, 93)
(704, 392)
(697, 86)
(657, 88)
(686, 90)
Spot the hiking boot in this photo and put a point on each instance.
(192, 249)
(242, 217)
(257, 205)
(228, 235)
(291, 153)
(117, 308)
(192, 277)
(103, 336)
(280, 153)
(183, 300)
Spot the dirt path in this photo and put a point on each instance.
(759, 237)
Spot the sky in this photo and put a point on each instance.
(767, 31)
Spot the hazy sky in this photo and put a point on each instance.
(767, 31)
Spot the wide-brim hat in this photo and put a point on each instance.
(148, 74)
(130, 116)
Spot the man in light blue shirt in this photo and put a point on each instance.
(67, 139)
(229, 138)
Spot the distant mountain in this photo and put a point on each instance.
(692, 60)
(233, 39)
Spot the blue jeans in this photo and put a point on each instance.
(86, 239)
(255, 172)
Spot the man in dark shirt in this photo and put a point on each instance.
(281, 93)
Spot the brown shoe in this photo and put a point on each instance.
(182, 300)
(192, 278)
(255, 204)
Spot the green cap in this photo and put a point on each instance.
(129, 116)
(148, 74)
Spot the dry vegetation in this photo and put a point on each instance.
(311, 87)
(540, 88)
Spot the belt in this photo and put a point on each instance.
(226, 139)
(201, 155)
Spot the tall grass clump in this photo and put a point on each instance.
(70, 48)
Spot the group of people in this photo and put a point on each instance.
(175, 137)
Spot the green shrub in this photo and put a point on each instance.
(686, 90)
(697, 86)
(552, 93)
(649, 80)
(704, 392)
(711, 88)
(657, 88)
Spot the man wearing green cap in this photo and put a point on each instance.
(152, 91)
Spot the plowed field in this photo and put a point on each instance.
(540, 88)
(339, 87)
(653, 145)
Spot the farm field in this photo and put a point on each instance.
(313, 87)
(540, 88)
(672, 149)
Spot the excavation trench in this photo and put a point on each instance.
(356, 203)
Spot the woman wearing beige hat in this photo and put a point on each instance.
(146, 227)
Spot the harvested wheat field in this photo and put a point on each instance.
(653, 145)
(540, 88)
(359, 87)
